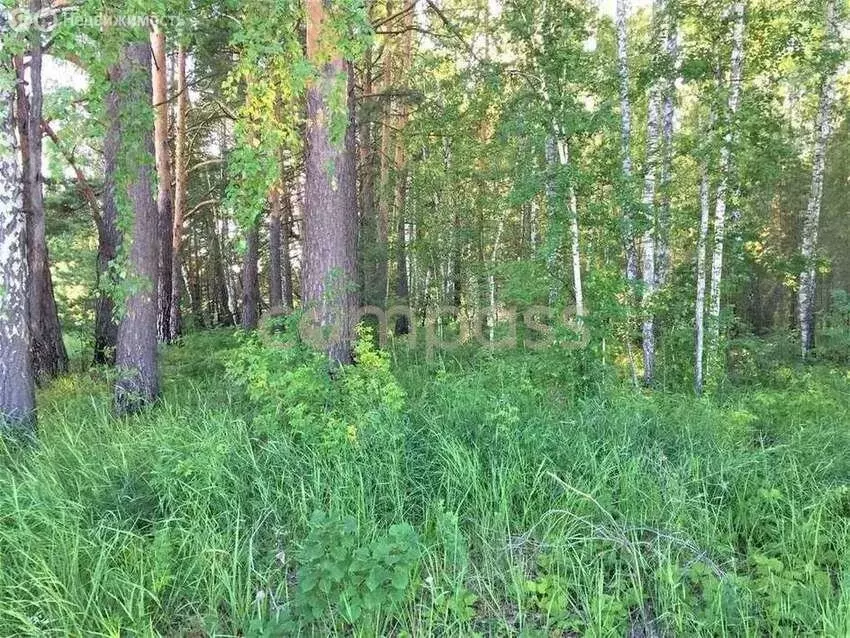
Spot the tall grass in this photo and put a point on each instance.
(541, 508)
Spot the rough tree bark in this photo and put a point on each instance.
(275, 224)
(179, 190)
(48, 350)
(163, 172)
(136, 359)
(250, 280)
(808, 277)
(17, 396)
(330, 216)
(108, 235)
(737, 14)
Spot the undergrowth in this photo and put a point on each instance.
(518, 495)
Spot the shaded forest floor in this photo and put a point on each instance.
(515, 495)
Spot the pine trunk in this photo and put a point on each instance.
(109, 237)
(179, 191)
(330, 216)
(49, 355)
(138, 382)
(250, 280)
(166, 278)
(275, 274)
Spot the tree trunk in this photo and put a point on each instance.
(166, 278)
(275, 274)
(808, 277)
(330, 216)
(109, 237)
(286, 239)
(250, 280)
(179, 190)
(138, 382)
(553, 253)
(402, 288)
(49, 355)
(625, 137)
(699, 306)
(17, 396)
(668, 112)
(575, 244)
(648, 200)
(737, 11)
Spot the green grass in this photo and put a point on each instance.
(541, 503)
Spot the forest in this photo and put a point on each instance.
(425, 318)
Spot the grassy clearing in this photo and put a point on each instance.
(465, 496)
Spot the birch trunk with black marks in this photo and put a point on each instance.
(737, 64)
(165, 280)
(330, 215)
(136, 359)
(808, 277)
(650, 211)
(668, 112)
(17, 394)
(626, 136)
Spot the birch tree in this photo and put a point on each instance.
(736, 14)
(17, 398)
(808, 278)
(626, 135)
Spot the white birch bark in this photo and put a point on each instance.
(575, 250)
(668, 111)
(737, 65)
(808, 278)
(625, 134)
(17, 398)
(648, 239)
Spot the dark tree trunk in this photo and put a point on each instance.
(138, 382)
(179, 190)
(223, 315)
(286, 257)
(165, 212)
(108, 235)
(49, 355)
(275, 275)
(250, 281)
(330, 216)
(17, 396)
(402, 323)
